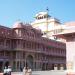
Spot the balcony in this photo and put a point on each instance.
(28, 50)
(3, 47)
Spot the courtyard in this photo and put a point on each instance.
(51, 72)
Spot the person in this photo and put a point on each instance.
(5, 71)
(24, 71)
(9, 70)
(29, 71)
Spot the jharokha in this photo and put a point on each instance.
(24, 45)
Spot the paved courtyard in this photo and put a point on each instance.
(60, 72)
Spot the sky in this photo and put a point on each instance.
(25, 10)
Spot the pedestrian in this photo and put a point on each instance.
(9, 70)
(5, 71)
(29, 71)
(24, 71)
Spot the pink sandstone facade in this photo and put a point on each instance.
(23, 45)
(69, 36)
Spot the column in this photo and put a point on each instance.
(41, 65)
(16, 65)
(5, 42)
(36, 65)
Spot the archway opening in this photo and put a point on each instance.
(29, 61)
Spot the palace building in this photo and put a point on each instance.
(24, 45)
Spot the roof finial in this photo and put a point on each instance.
(47, 9)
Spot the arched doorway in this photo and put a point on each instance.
(29, 61)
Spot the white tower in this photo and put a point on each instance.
(47, 24)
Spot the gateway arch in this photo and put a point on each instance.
(29, 61)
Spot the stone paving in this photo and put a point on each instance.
(52, 72)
